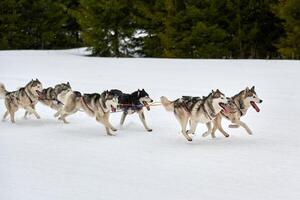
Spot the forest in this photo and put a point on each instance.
(239, 29)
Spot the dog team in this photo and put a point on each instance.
(188, 110)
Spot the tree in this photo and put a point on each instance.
(289, 45)
(107, 26)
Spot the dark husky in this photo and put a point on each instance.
(134, 103)
(196, 110)
(95, 105)
(239, 105)
(25, 97)
(50, 95)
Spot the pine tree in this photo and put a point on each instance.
(107, 26)
(289, 46)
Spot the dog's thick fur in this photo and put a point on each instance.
(133, 103)
(196, 110)
(239, 105)
(50, 95)
(25, 97)
(95, 105)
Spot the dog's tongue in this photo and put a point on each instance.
(147, 105)
(255, 106)
(41, 94)
(113, 109)
(226, 109)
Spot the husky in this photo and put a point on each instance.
(238, 106)
(133, 103)
(95, 105)
(25, 97)
(50, 95)
(196, 110)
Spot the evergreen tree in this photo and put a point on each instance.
(36, 24)
(289, 46)
(107, 26)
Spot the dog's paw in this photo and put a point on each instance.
(149, 130)
(114, 129)
(233, 126)
(205, 134)
(227, 135)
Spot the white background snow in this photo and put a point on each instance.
(46, 159)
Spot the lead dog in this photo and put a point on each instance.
(133, 103)
(95, 105)
(196, 110)
(239, 105)
(25, 97)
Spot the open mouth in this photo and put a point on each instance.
(113, 109)
(40, 94)
(253, 104)
(146, 105)
(225, 107)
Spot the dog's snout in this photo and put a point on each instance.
(151, 101)
(260, 101)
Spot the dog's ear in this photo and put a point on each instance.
(253, 88)
(247, 89)
(143, 90)
(212, 91)
(68, 83)
(218, 91)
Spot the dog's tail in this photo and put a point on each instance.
(3, 91)
(169, 105)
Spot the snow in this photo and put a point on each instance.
(46, 159)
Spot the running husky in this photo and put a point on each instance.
(25, 97)
(50, 95)
(95, 105)
(196, 110)
(239, 105)
(134, 102)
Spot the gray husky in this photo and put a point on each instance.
(49, 96)
(238, 106)
(196, 110)
(25, 97)
(95, 105)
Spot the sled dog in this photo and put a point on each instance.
(50, 95)
(238, 106)
(133, 103)
(95, 105)
(25, 97)
(196, 110)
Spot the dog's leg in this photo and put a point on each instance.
(57, 113)
(233, 126)
(63, 118)
(106, 118)
(218, 125)
(124, 114)
(102, 121)
(193, 126)
(32, 110)
(5, 115)
(142, 118)
(209, 130)
(183, 120)
(12, 116)
(244, 125)
(25, 115)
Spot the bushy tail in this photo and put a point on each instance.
(169, 105)
(2, 91)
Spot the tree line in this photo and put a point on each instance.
(155, 28)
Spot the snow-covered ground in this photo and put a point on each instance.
(48, 160)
